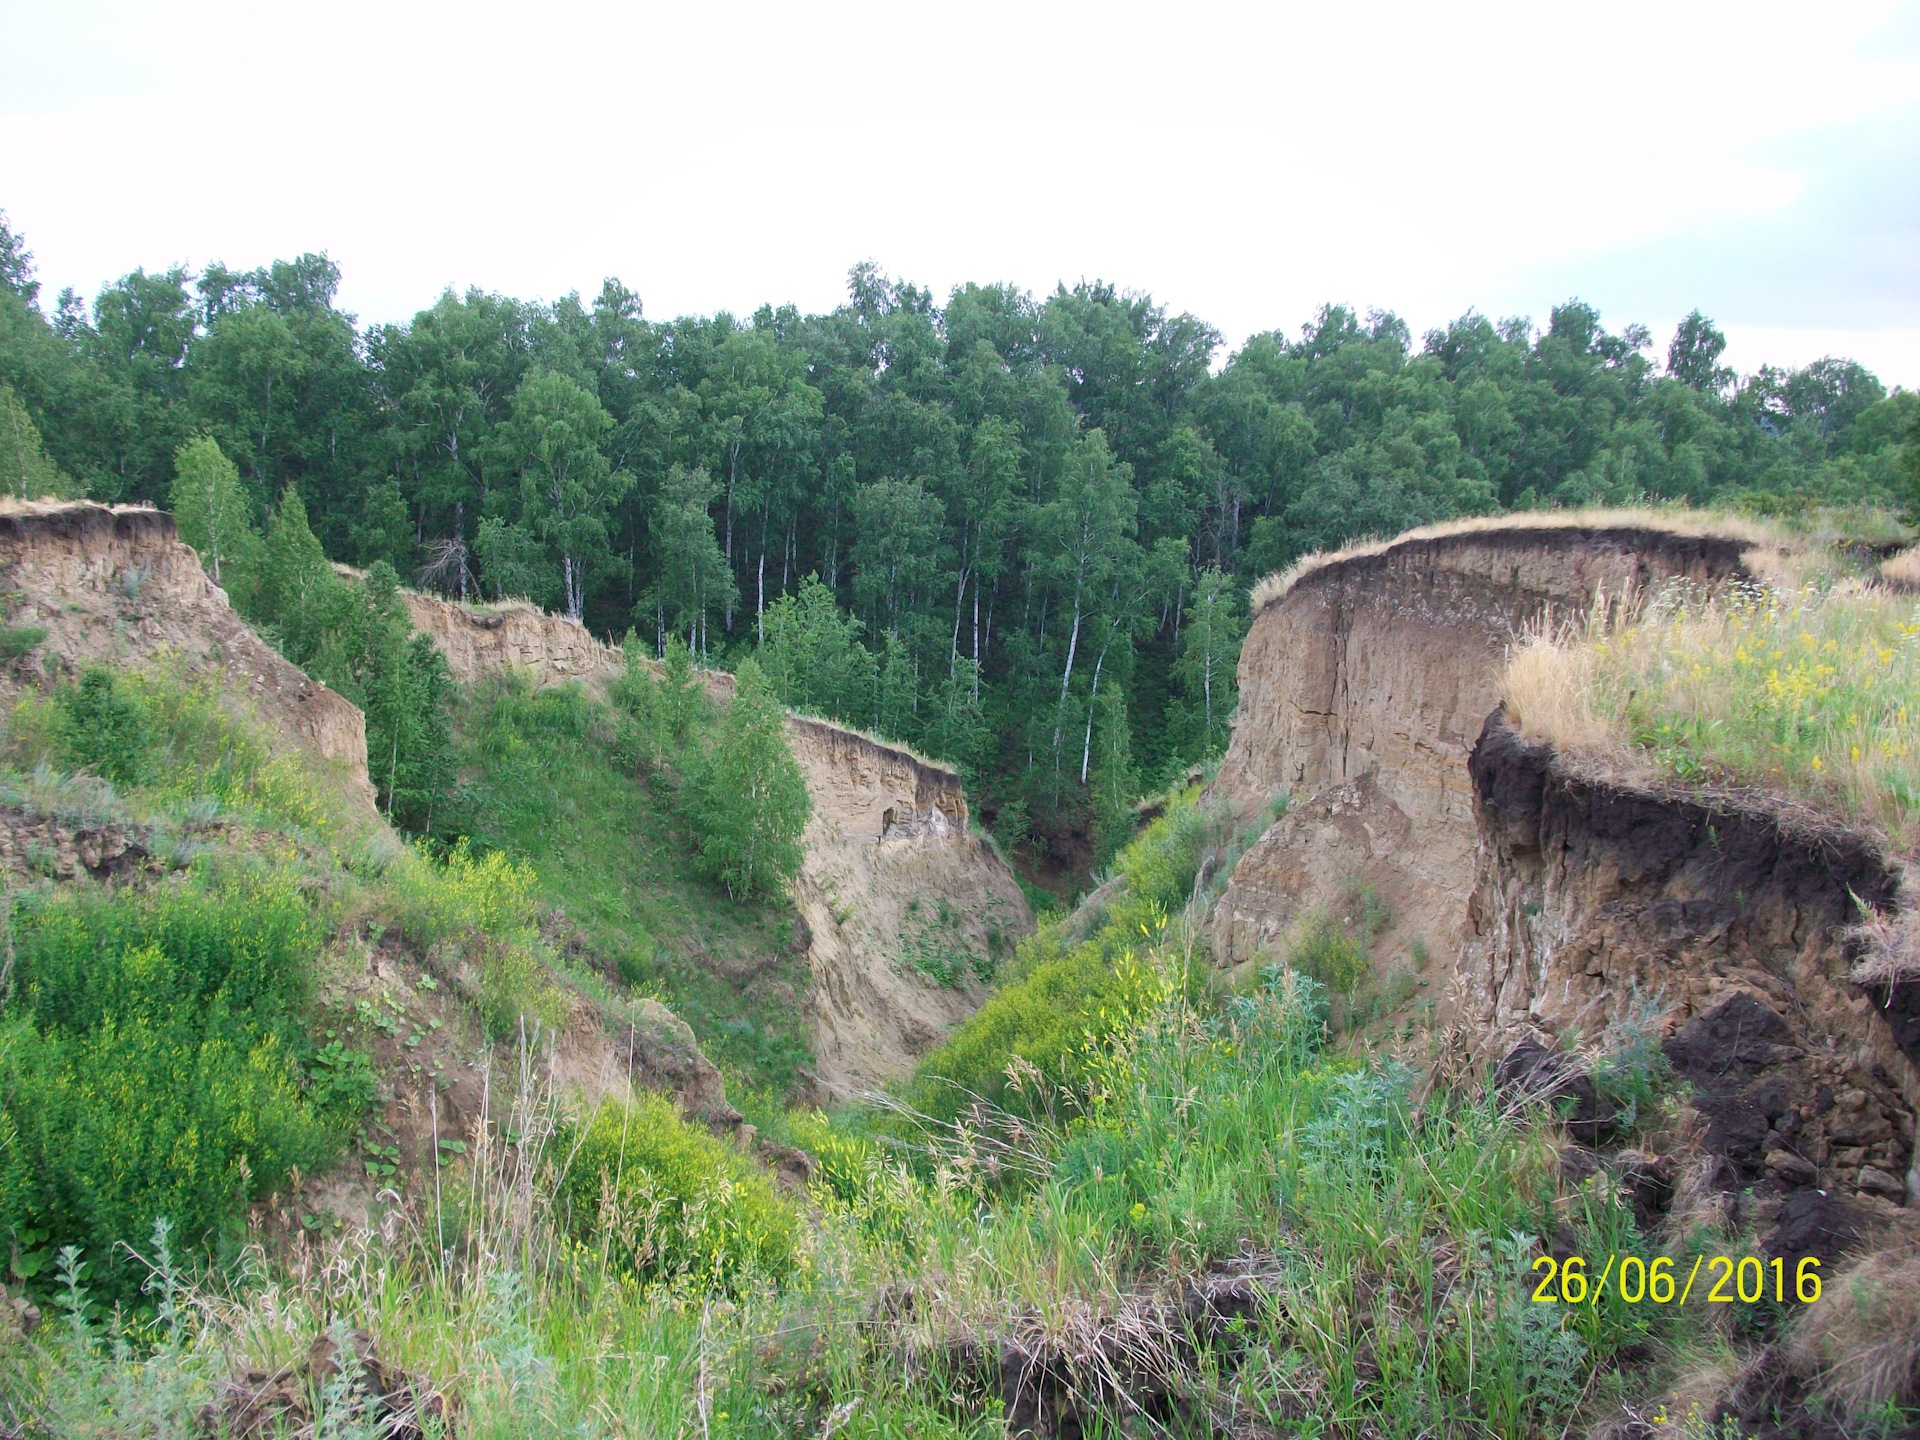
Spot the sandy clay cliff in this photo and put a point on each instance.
(115, 583)
(892, 867)
(1539, 900)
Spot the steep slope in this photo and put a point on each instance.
(1725, 921)
(1364, 681)
(1558, 899)
(115, 583)
(905, 908)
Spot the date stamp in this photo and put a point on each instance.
(1747, 1280)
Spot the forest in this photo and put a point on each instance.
(1014, 531)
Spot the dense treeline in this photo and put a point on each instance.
(1014, 531)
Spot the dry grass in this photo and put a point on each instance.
(1860, 1345)
(1903, 569)
(1890, 946)
(1811, 693)
(1779, 552)
(54, 505)
(1671, 520)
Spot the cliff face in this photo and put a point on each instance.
(1725, 926)
(1362, 690)
(900, 899)
(115, 583)
(487, 639)
(892, 875)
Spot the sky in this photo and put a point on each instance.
(1247, 163)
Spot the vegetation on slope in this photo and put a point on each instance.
(1235, 1228)
(1812, 692)
(603, 802)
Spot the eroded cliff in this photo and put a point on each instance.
(1720, 923)
(115, 583)
(905, 906)
(1561, 904)
(1363, 686)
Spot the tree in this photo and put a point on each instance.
(692, 579)
(25, 470)
(1082, 536)
(214, 516)
(567, 488)
(752, 803)
(1209, 653)
(16, 262)
(297, 596)
(812, 654)
(1114, 780)
(898, 527)
(1693, 358)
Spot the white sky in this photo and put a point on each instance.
(1245, 162)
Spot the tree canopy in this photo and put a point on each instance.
(959, 524)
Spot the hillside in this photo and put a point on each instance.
(904, 911)
(1211, 1158)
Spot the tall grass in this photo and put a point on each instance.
(1813, 692)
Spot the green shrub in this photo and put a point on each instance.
(749, 799)
(843, 1161)
(101, 729)
(671, 1202)
(18, 640)
(1329, 954)
(1047, 1021)
(171, 737)
(147, 1066)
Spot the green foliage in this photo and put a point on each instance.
(1113, 778)
(147, 1064)
(25, 470)
(665, 1202)
(172, 738)
(215, 516)
(357, 637)
(553, 439)
(1329, 955)
(1209, 658)
(749, 799)
(553, 788)
(813, 657)
(18, 640)
(101, 729)
(694, 579)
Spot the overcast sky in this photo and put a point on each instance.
(1759, 160)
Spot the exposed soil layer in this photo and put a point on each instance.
(905, 906)
(1719, 927)
(115, 583)
(1362, 691)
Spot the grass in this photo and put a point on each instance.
(1236, 1229)
(1772, 545)
(1812, 693)
(542, 783)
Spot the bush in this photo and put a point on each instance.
(1048, 1022)
(147, 1066)
(18, 640)
(101, 729)
(671, 1202)
(750, 799)
(1332, 957)
(168, 735)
